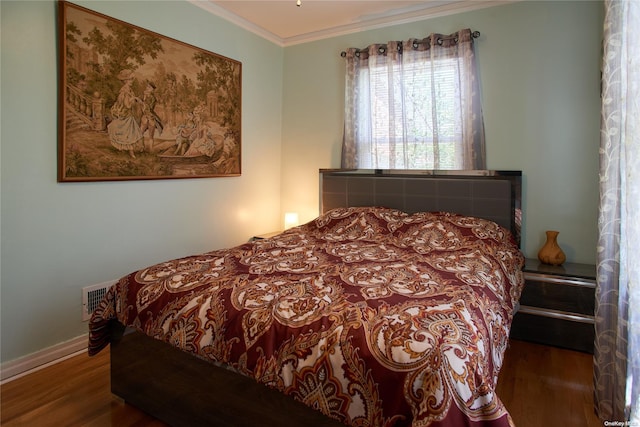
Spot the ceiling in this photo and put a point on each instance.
(285, 23)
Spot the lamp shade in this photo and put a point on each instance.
(290, 220)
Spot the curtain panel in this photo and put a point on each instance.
(617, 317)
(414, 105)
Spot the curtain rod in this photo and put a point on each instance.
(474, 34)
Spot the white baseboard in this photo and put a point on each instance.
(49, 356)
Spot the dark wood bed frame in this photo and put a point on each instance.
(183, 390)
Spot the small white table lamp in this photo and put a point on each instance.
(290, 220)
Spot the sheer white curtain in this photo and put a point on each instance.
(414, 105)
(617, 349)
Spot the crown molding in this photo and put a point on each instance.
(237, 20)
(395, 19)
(367, 23)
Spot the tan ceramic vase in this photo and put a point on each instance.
(551, 253)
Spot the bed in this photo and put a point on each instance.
(391, 308)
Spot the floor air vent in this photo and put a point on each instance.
(91, 297)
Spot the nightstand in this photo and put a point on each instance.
(557, 305)
(264, 236)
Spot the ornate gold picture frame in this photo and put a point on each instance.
(134, 104)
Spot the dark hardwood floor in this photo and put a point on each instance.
(539, 385)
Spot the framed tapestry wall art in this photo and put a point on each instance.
(134, 104)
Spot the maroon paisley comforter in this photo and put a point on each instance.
(370, 315)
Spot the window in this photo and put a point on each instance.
(413, 108)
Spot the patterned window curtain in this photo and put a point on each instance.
(414, 105)
(617, 346)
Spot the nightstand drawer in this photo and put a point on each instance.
(557, 305)
(574, 295)
(554, 328)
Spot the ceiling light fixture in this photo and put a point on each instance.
(299, 3)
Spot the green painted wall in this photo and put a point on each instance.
(58, 238)
(540, 77)
(541, 106)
